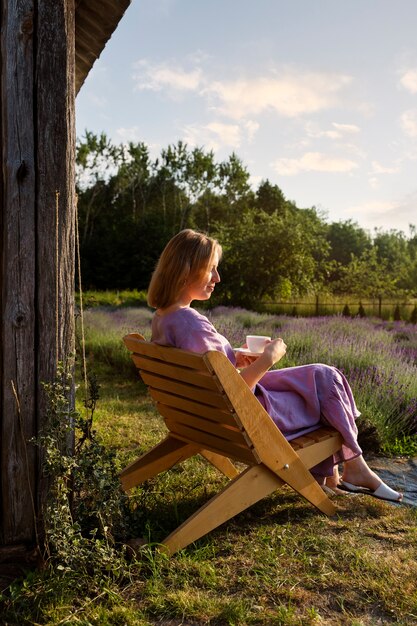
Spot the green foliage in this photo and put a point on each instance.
(345, 239)
(124, 298)
(86, 509)
(266, 256)
(413, 316)
(130, 206)
(404, 445)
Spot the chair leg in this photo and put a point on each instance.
(222, 463)
(304, 483)
(160, 458)
(249, 487)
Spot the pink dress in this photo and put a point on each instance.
(298, 399)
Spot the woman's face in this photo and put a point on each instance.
(201, 288)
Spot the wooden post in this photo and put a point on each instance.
(37, 144)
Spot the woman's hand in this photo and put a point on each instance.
(273, 352)
(243, 360)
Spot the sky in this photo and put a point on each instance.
(317, 96)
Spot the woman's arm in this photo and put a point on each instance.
(274, 351)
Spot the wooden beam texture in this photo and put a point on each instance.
(37, 144)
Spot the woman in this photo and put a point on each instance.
(298, 399)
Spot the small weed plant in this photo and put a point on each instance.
(84, 512)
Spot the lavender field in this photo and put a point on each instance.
(378, 357)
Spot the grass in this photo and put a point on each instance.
(279, 562)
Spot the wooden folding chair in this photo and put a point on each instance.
(209, 410)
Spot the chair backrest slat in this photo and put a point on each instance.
(175, 372)
(200, 423)
(213, 398)
(209, 442)
(181, 357)
(215, 414)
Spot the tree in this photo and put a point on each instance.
(347, 238)
(394, 249)
(132, 181)
(269, 198)
(369, 276)
(264, 257)
(97, 160)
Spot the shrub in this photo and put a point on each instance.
(361, 310)
(85, 509)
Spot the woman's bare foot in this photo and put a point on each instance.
(332, 483)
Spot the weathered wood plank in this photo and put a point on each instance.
(37, 152)
(102, 16)
(18, 183)
(55, 198)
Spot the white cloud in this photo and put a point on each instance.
(216, 135)
(374, 208)
(251, 129)
(229, 134)
(409, 80)
(213, 136)
(313, 130)
(313, 162)
(409, 122)
(156, 77)
(395, 213)
(255, 181)
(346, 128)
(378, 168)
(124, 135)
(367, 109)
(291, 95)
(338, 131)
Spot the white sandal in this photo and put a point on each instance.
(383, 492)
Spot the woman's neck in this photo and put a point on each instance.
(172, 307)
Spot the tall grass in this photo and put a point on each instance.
(378, 358)
(104, 329)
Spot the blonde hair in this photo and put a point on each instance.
(185, 257)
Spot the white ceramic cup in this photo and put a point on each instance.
(257, 343)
